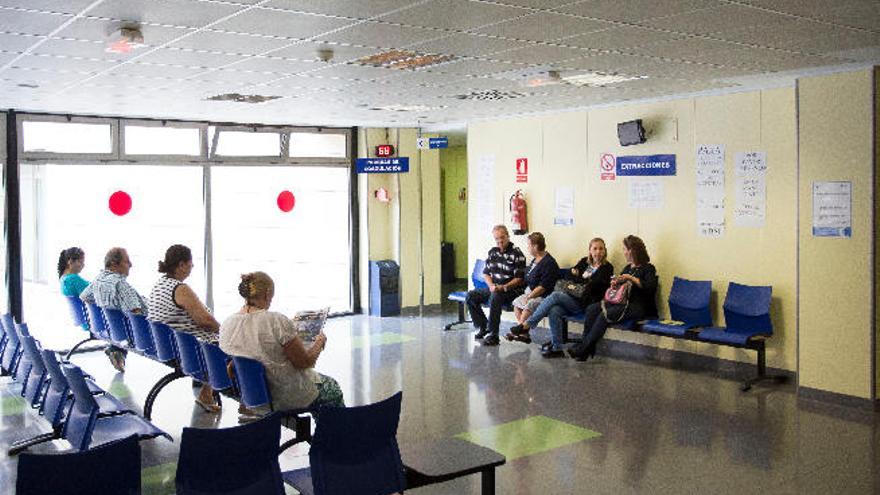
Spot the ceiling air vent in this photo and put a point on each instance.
(403, 60)
(239, 98)
(490, 95)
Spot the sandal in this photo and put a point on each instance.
(524, 338)
(208, 407)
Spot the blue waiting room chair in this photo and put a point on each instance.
(96, 321)
(688, 308)
(354, 451)
(77, 312)
(84, 428)
(216, 362)
(238, 460)
(747, 325)
(141, 335)
(117, 327)
(166, 352)
(111, 469)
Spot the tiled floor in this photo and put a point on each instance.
(605, 426)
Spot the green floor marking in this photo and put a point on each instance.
(119, 389)
(12, 406)
(528, 436)
(384, 338)
(159, 479)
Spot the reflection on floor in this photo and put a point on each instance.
(605, 426)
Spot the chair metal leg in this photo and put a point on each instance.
(762, 370)
(487, 481)
(303, 433)
(22, 445)
(461, 318)
(77, 346)
(154, 392)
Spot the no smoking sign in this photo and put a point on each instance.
(606, 166)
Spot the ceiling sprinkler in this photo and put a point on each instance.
(325, 54)
(125, 39)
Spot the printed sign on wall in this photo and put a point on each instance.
(522, 169)
(832, 209)
(646, 165)
(751, 189)
(606, 167)
(710, 190)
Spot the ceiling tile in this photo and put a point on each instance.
(605, 62)
(805, 36)
(352, 71)
(84, 66)
(544, 27)
(85, 49)
(99, 30)
(311, 82)
(541, 54)
(308, 50)
(857, 13)
(668, 69)
(636, 10)
(157, 70)
(277, 65)
(280, 23)
(14, 21)
(475, 67)
(345, 8)
(244, 44)
(189, 58)
(534, 4)
(172, 12)
(467, 45)
(67, 6)
(620, 38)
(17, 43)
(380, 35)
(717, 20)
(453, 14)
(42, 77)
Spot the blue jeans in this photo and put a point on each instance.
(556, 307)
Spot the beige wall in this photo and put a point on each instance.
(453, 164)
(406, 229)
(564, 150)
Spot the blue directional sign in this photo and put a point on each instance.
(396, 165)
(438, 142)
(646, 165)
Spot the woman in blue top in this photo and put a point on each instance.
(70, 263)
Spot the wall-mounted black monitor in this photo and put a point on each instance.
(631, 132)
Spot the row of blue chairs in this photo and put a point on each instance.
(187, 356)
(75, 408)
(355, 450)
(746, 315)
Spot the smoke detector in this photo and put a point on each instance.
(125, 39)
(325, 54)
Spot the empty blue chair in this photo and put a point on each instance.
(12, 351)
(238, 460)
(117, 327)
(96, 321)
(191, 362)
(688, 308)
(35, 382)
(746, 315)
(141, 335)
(112, 469)
(215, 364)
(77, 312)
(84, 428)
(354, 451)
(460, 296)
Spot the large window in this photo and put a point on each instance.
(305, 250)
(242, 199)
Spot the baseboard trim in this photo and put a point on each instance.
(835, 398)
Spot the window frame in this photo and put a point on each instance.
(202, 157)
(343, 161)
(51, 155)
(214, 158)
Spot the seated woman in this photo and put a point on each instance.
(540, 278)
(591, 275)
(70, 264)
(270, 338)
(174, 303)
(642, 276)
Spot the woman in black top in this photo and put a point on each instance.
(642, 276)
(595, 272)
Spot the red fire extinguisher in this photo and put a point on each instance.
(518, 213)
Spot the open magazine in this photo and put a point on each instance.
(308, 324)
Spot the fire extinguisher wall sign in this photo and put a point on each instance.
(518, 210)
(522, 169)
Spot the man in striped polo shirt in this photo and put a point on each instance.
(504, 274)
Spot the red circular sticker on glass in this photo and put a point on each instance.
(120, 203)
(286, 200)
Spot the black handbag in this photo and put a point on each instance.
(577, 290)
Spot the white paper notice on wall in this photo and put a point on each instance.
(646, 194)
(564, 212)
(832, 209)
(751, 189)
(484, 193)
(710, 190)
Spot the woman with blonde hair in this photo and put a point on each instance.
(266, 336)
(589, 279)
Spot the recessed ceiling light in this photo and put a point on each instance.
(403, 59)
(490, 95)
(597, 79)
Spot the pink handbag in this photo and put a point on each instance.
(619, 294)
